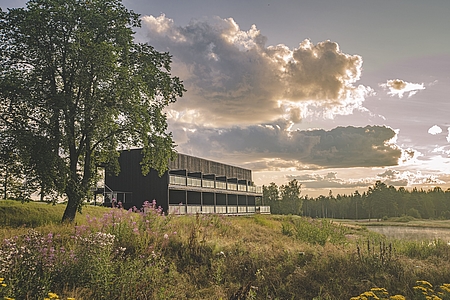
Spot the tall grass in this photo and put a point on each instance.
(33, 214)
(144, 254)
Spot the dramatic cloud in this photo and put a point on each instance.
(399, 87)
(233, 78)
(272, 147)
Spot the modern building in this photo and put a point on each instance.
(191, 185)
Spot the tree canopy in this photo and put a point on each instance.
(75, 88)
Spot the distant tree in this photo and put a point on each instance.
(380, 200)
(291, 203)
(357, 200)
(270, 194)
(75, 88)
(11, 175)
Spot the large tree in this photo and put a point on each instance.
(75, 87)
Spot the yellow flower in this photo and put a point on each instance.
(445, 287)
(53, 296)
(382, 290)
(424, 282)
(423, 289)
(70, 298)
(370, 294)
(397, 297)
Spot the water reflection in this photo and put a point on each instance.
(413, 233)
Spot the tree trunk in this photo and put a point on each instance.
(71, 208)
(5, 184)
(74, 198)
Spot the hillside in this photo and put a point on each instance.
(117, 254)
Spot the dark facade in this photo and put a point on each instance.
(191, 185)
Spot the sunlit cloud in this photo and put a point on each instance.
(409, 178)
(435, 130)
(231, 74)
(331, 180)
(346, 183)
(398, 87)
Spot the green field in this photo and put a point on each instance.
(117, 254)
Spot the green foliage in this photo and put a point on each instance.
(381, 202)
(284, 200)
(75, 87)
(423, 249)
(314, 231)
(142, 254)
(414, 213)
(33, 214)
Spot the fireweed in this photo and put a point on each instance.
(36, 264)
(136, 230)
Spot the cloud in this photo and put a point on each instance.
(408, 178)
(233, 78)
(275, 147)
(311, 182)
(314, 182)
(398, 87)
(435, 130)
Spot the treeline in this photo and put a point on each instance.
(378, 202)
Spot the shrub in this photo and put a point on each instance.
(314, 231)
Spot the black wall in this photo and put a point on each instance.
(143, 188)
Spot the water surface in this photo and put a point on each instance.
(413, 233)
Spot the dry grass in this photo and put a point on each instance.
(249, 257)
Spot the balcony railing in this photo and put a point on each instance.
(221, 185)
(207, 183)
(232, 186)
(218, 209)
(194, 182)
(178, 180)
(242, 187)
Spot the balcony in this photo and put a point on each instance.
(219, 209)
(194, 182)
(211, 184)
(177, 180)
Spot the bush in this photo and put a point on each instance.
(314, 231)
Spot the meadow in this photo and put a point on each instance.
(111, 253)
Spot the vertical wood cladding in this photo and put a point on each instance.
(152, 187)
(143, 188)
(195, 164)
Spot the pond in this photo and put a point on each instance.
(413, 233)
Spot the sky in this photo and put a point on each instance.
(334, 93)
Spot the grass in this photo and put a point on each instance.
(117, 254)
(405, 221)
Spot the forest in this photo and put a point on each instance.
(380, 201)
